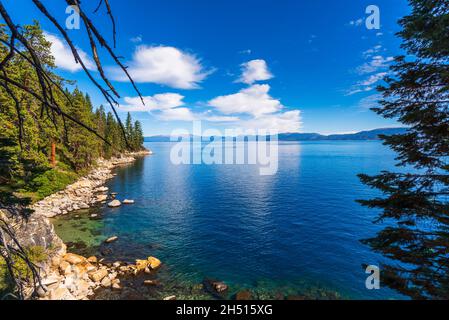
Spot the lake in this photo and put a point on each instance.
(297, 232)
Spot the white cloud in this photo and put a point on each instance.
(215, 118)
(287, 122)
(63, 55)
(367, 84)
(161, 101)
(369, 102)
(377, 62)
(254, 100)
(370, 52)
(166, 107)
(136, 39)
(255, 70)
(178, 114)
(374, 79)
(164, 65)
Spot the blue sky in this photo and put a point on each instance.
(308, 66)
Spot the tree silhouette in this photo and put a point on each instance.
(415, 204)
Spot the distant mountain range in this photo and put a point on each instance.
(363, 135)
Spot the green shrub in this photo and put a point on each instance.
(35, 254)
(51, 182)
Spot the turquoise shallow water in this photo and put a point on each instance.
(296, 231)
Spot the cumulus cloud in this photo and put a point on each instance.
(170, 107)
(178, 114)
(164, 65)
(63, 55)
(161, 101)
(254, 100)
(255, 70)
(287, 122)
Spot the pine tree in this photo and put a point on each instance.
(415, 204)
(129, 127)
(138, 139)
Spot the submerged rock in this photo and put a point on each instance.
(217, 288)
(151, 283)
(112, 239)
(243, 295)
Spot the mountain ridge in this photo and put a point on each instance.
(367, 135)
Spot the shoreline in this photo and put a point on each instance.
(68, 276)
(87, 191)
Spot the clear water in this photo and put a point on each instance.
(298, 229)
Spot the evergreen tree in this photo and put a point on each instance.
(138, 138)
(129, 126)
(415, 204)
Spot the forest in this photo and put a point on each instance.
(41, 153)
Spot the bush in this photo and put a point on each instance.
(35, 254)
(51, 182)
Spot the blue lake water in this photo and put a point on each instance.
(297, 228)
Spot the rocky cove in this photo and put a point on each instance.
(69, 276)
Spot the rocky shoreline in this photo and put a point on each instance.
(87, 191)
(67, 276)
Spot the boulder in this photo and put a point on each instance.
(92, 259)
(106, 282)
(102, 197)
(51, 280)
(170, 298)
(82, 268)
(82, 288)
(154, 263)
(56, 261)
(61, 294)
(127, 201)
(102, 189)
(141, 265)
(114, 204)
(65, 268)
(74, 258)
(97, 276)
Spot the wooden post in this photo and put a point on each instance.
(53, 154)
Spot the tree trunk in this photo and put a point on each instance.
(53, 154)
